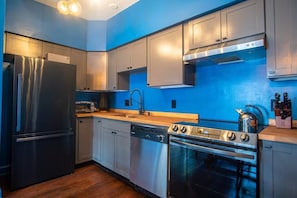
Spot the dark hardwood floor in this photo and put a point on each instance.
(87, 181)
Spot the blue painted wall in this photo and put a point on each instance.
(146, 17)
(96, 36)
(35, 20)
(219, 90)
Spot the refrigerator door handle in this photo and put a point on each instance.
(33, 138)
(19, 103)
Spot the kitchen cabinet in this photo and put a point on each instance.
(24, 46)
(97, 131)
(84, 140)
(165, 65)
(238, 21)
(116, 81)
(278, 175)
(115, 146)
(281, 31)
(132, 56)
(55, 49)
(96, 70)
(79, 58)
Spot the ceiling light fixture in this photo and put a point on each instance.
(69, 7)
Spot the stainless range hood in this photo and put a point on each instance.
(239, 50)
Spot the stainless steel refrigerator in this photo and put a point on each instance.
(39, 117)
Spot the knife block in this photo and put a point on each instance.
(283, 123)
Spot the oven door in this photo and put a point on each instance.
(204, 169)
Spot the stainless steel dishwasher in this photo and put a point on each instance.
(149, 155)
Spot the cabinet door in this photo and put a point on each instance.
(97, 140)
(138, 54)
(55, 49)
(112, 70)
(84, 135)
(124, 58)
(108, 148)
(279, 161)
(205, 31)
(79, 58)
(122, 153)
(281, 30)
(96, 70)
(165, 66)
(23, 46)
(243, 19)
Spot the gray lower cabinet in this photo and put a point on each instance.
(115, 146)
(84, 142)
(97, 133)
(278, 175)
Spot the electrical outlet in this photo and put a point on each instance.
(173, 104)
(127, 103)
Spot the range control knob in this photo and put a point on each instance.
(231, 136)
(244, 137)
(183, 129)
(175, 128)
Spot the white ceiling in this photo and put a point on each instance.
(97, 9)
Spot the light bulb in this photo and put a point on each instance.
(63, 7)
(74, 7)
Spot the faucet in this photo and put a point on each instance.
(140, 102)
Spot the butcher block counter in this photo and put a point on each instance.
(274, 134)
(152, 118)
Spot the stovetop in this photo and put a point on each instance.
(219, 131)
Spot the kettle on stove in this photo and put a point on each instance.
(247, 121)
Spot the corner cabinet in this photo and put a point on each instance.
(96, 70)
(115, 146)
(165, 65)
(238, 21)
(281, 31)
(84, 140)
(278, 175)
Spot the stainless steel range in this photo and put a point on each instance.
(212, 159)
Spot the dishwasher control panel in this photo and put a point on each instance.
(150, 132)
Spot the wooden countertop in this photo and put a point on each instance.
(154, 118)
(272, 133)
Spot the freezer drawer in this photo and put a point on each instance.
(53, 158)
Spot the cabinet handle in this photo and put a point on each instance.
(98, 121)
(268, 147)
(114, 132)
(218, 40)
(225, 38)
(80, 121)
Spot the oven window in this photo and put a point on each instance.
(198, 174)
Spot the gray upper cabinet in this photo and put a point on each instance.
(112, 70)
(278, 175)
(116, 81)
(96, 70)
(281, 31)
(55, 49)
(79, 58)
(238, 21)
(165, 65)
(132, 56)
(24, 46)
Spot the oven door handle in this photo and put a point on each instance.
(229, 154)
